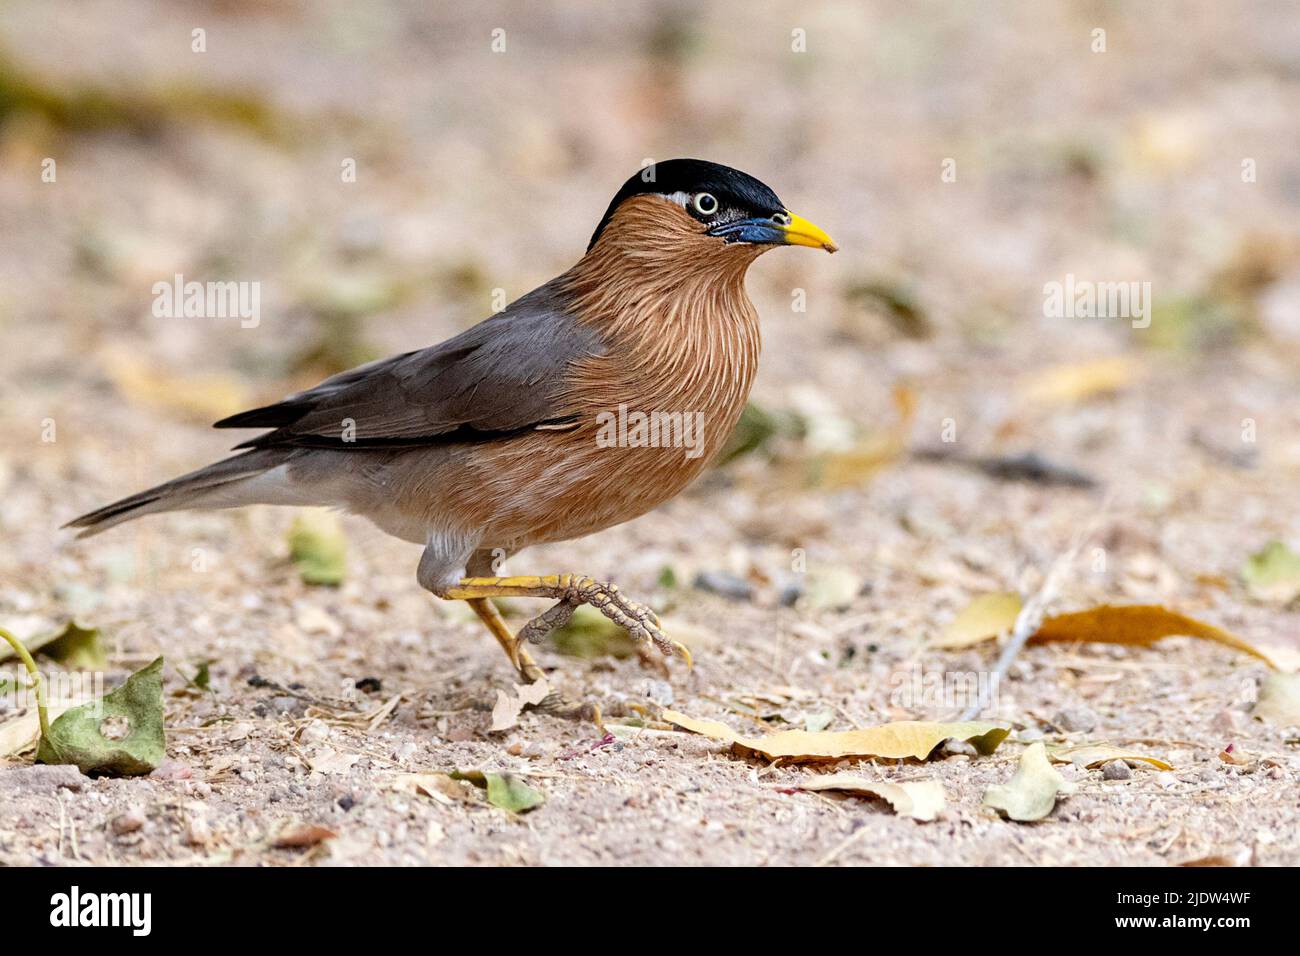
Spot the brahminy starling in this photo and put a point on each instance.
(497, 438)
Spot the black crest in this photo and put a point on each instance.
(730, 186)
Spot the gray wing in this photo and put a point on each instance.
(504, 375)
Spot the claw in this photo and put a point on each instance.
(684, 652)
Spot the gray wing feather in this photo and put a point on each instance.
(504, 375)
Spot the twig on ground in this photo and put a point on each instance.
(1032, 613)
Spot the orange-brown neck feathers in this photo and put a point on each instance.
(670, 301)
(654, 263)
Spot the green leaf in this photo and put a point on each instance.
(590, 634)
(319, 549)
(504, 789)
(74, 645)
(77, 737)
(1273, 573)
(202, 678)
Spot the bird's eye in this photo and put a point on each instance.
(706, 204)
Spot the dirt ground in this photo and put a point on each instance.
(480, 171)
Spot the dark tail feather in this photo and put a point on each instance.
(183, 492)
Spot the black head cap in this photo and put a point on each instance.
(730, 186)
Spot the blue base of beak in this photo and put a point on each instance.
(750, 230)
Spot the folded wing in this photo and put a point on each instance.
(504, 375)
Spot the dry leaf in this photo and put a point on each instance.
(920, 800)
(831, 589)
(201, 398)
(1135, 624)
(1237, 758)
(508, 707)
(1079, 381)
(302, 835)
(1090, 756)
(1031, 793)
(1279, 700)
(1241, 856)
(329, 761)
(986, 617)
(311, 619)
(438, 786)
(844, 469)
(20, 733)
(898, 740)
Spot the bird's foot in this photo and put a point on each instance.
(641, 623)
(556, 704)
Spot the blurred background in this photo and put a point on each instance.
(920, 427)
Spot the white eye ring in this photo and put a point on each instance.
(706, 204)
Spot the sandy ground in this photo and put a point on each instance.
(1120, 168)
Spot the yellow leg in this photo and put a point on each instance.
(528, 669)
(490, 616)
(641, 623)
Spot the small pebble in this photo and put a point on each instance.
(1227, 721)
(315, 732)
(725, 584)
(1116, 770)
(660, 691)
(405, 751)
(199, 832)
(288, 705)
(1076, 720)
(173, 770)
(128, 822)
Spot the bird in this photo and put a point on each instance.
(583, 404)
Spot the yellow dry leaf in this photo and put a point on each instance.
(898, 740)
(920, 800)
(1077, 382)
(845, 469)
(1279, 700)
(21, 733)
(196, 397)
(437, 786)
(986, 617)
(1136, 624)
(1031, 793)
(1094, 755)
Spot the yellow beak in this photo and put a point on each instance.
(800, 232)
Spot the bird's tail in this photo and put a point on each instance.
(240, 480)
